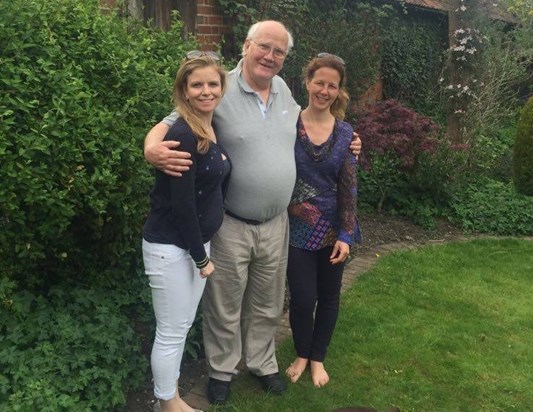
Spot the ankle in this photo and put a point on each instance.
(169, 405)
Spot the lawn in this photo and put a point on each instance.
(443, 328)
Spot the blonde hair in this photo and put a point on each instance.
(339, 106)
(183, 106)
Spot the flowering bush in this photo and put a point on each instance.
(485, 66)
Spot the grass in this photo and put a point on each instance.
(442, 328)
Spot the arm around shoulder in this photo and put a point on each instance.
(160, 154)
(155, 135)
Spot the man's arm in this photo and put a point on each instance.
(161, 154)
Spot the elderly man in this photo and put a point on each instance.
(256, 123)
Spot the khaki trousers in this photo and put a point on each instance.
(243, 298)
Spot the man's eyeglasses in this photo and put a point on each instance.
(266, 48)
(333, 56)
(195, 54)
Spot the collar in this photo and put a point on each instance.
(244, 84)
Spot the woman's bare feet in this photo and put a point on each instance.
(318, 374)
(295, 369)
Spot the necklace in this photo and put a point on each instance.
(317, 153)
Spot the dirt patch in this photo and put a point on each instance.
(384, 228)
(143, 399)
(377, 230)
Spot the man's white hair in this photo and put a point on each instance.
(252, 32)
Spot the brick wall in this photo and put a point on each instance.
(211, 24)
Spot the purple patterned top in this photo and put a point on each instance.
(322, 207)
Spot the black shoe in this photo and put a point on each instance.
(218, 391)
(272, 383)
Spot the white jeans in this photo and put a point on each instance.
(176, 291)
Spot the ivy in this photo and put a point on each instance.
(412, 57)
(318, 26)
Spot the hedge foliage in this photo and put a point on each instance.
(79, 91)
(523, 151)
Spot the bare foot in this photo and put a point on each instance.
(318, 374)
(175, 405)
(295, 369)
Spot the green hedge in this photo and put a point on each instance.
(79, 90)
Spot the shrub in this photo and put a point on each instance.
(489, 206)
(523, 151)
(69, 350)
(394, 140)
(79, 91)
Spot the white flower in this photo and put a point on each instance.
(441, 79)
(463, 7)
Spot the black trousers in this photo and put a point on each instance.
(314, 285)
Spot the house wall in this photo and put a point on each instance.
(203, 18)
(211, 24)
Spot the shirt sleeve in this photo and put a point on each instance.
(171, 118)
(347, 201)
(183, 200)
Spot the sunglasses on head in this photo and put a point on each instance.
(195, 54)
(333, 56)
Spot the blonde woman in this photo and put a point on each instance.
(185, 213)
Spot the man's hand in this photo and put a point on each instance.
(355, 145)
(170, 161)
(208, 270)
(161, 154)
(340, 252)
